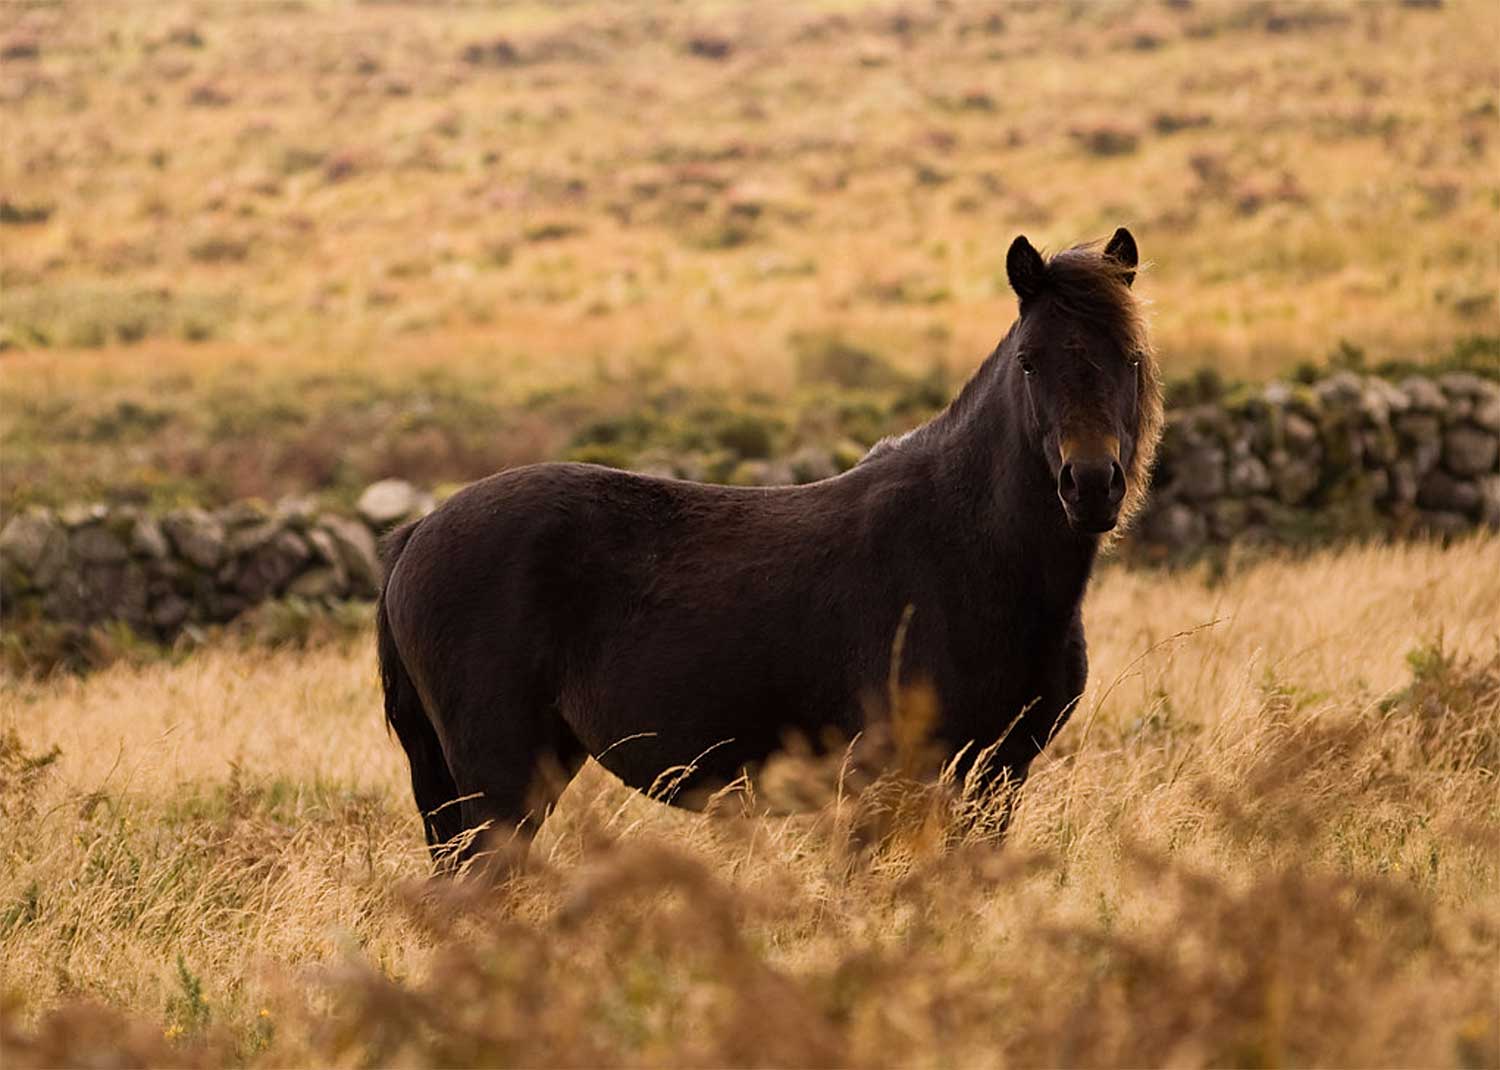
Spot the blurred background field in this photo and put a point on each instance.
(264, 248)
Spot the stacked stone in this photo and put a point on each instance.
(1348, 455)
(89, 564)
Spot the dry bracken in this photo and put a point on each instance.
(1270, 835)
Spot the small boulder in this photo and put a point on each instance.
(34, 544)
(82, 514)
(389, 502)
(1248, 475)
(1463, 385)
(270, 567)
(198, 536)
(356, 548)
(147, 539)
(1441, 492)
(1469, 451)
(251, 537)
(327, 551)
(1423, 394)
(1294, 478)
(96, 545)
(1299, 433)
(1487, 413)
(1200, 472)
(168, 612)
(1403, 484)
(1341, 390)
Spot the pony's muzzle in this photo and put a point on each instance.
(1091, 490)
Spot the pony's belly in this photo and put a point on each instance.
(694, 748)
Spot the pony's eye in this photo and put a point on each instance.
(1026, 366)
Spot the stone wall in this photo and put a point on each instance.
(1349, 455)
(1283, 463)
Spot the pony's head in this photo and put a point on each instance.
(1081, 356)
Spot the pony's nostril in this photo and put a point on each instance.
(1117, 484)
(1066, 485)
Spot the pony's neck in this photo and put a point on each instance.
(998, 482)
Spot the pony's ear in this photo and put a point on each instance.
(1025, 268)
(1121, 249)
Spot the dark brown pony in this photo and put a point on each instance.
(558, 611)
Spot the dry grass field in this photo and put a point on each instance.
(271, 247)
(1270, 836)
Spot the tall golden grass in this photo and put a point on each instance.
(1271, 835)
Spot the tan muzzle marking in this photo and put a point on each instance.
(1093, 446)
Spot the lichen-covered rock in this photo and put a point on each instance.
(356, 548)
(34, 546)
(147, 539)
(1422, 434)
(267, 569)
(1199, 472)
(1385, 398)
(252, 536)
(1442, 492)
(80, 514)
(97, 545)
(1463, 385)
(324, 549)
(1300, 434)
(1379, 446)
(1340, 390)
(1294, 477)
(88, 593)
(389, 502)
(198, 536)
(1486, 413)
(1403, 484)
(169, 612)
(1423, 394)
(1469, 451)
(1248, 475)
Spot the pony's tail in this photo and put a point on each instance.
(431, 781)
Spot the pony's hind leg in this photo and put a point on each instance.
(509, 776)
